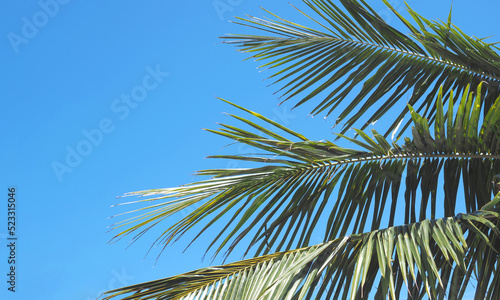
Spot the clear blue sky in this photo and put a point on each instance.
(127, 86)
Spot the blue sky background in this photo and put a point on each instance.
(62, 91)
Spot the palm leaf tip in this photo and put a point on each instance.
(355, 47)
(307, 273)
(298, 177)
(452, 82)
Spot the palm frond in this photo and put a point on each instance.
(432, 257)
(289, 195)
(355, 52)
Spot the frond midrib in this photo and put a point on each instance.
(404, 52)
(369, 157)
(411, 156)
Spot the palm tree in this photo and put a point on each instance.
(353, 194)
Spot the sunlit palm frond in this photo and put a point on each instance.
(266, 277)
(356, 55)
(433, 257)
(286, 198)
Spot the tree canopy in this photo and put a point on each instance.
(357, 68)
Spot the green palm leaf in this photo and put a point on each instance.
(354, 49)
(346, 267)
(263, 277)
(292, 192)
(295, 189)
